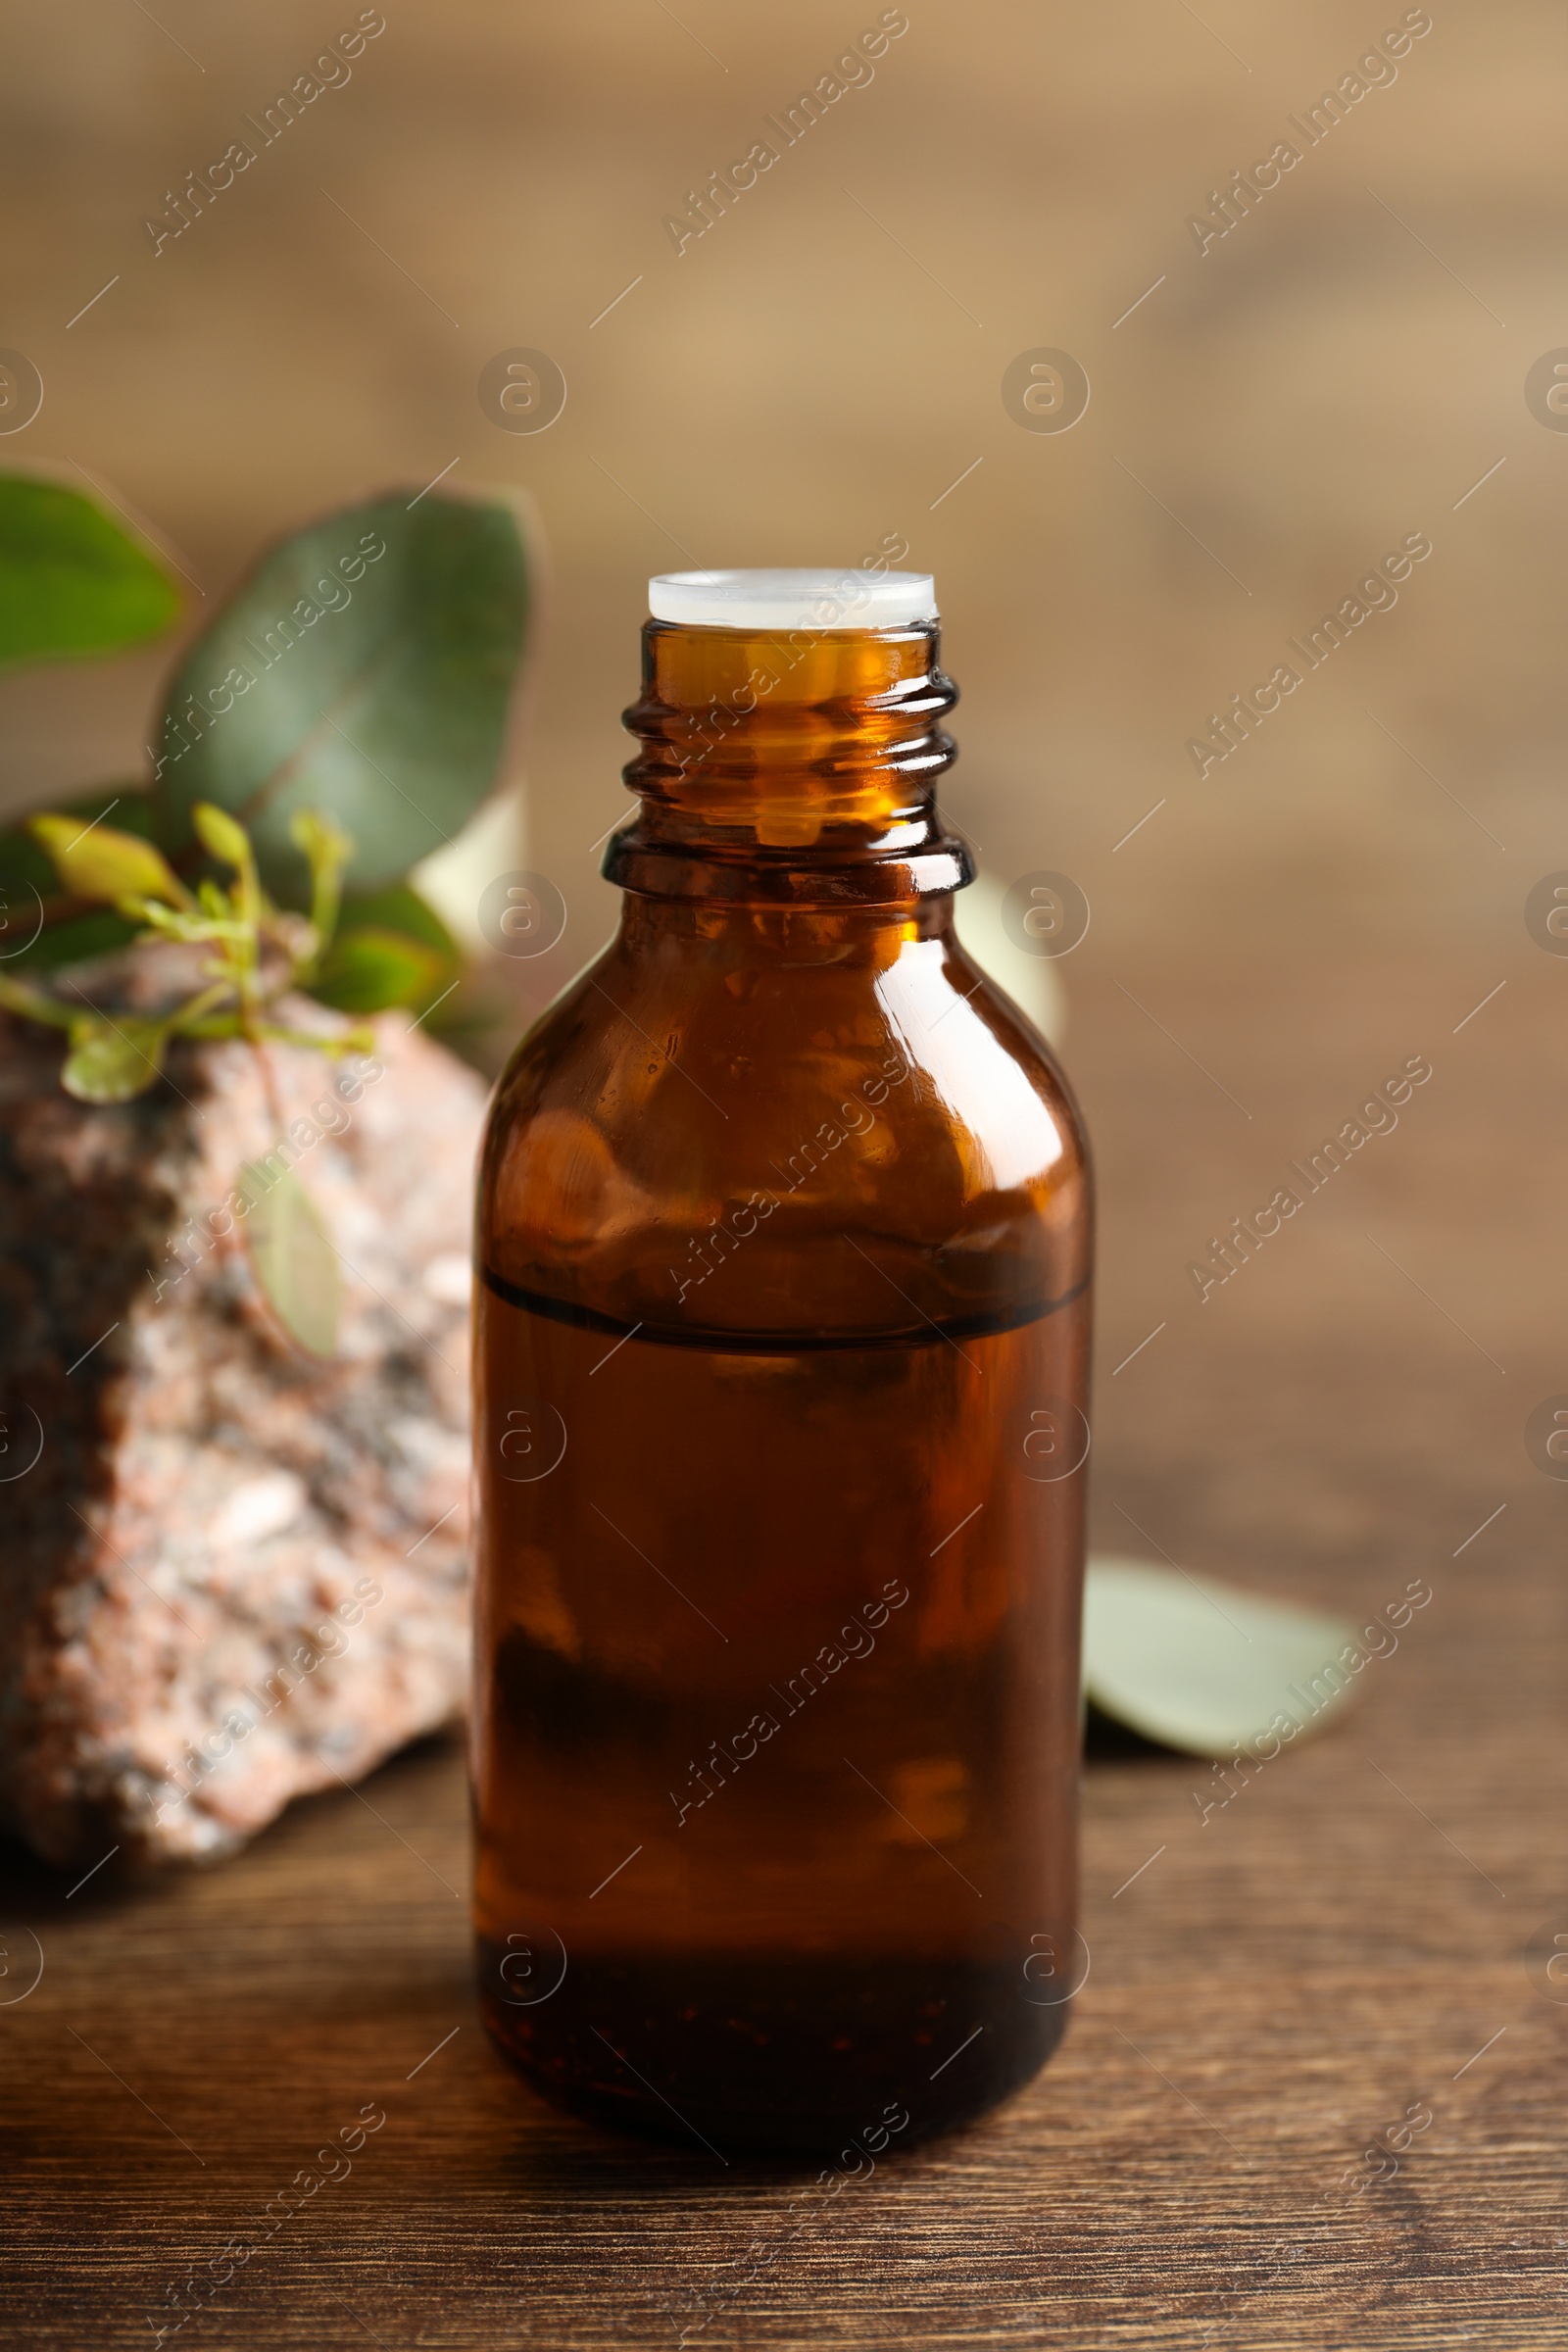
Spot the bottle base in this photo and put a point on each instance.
(823, 2059)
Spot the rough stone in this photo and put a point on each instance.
(230, 1573)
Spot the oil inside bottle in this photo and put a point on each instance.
(760, 1856)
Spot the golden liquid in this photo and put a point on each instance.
(777, 1718)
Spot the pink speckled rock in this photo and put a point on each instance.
(229, 1573)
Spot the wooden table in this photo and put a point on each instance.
(1271, 1990)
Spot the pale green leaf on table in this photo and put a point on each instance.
(293, 1258)
(369, 667)
(1197, 1665)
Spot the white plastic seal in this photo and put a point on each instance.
(852, 598)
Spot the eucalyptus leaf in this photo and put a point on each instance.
(220, 835)
(369, 666)
(349, 980)
(29, 879)
(401, 908)
(100, 861)
(293, 1258)
(368, 971)
(113, 1061)
(76, 942)
(1200, 1666)
(34, 1003)
(72, 579)
(327, 850)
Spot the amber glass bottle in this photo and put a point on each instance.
(781, 1360)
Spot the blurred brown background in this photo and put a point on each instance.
(815, 373)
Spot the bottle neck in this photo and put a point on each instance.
(789, 767)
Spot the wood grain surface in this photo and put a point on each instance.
(1271, 1990)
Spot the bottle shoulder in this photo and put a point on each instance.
(629, 1033)
(896, 1109)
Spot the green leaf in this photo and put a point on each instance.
(401, 913)
(327, 850)
(72, 580)
(369, 667)
(401, 908)
(99, 862)
(292, 1254)
(219, 836)
(326, 846)
(367, 970)
(112, 1062)
(74, 942)
(1200, 1666)
(34, 1003)
(27, 879)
